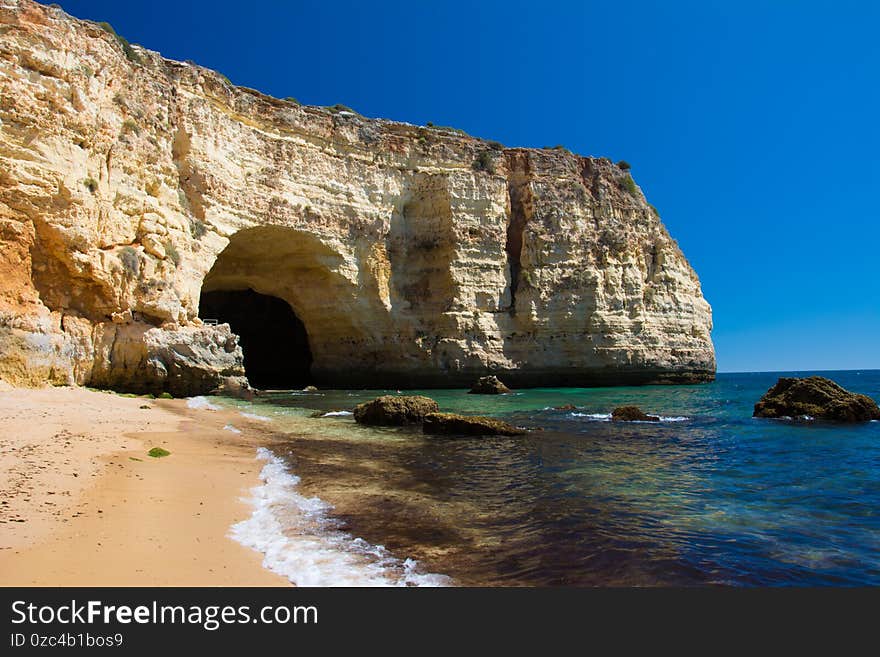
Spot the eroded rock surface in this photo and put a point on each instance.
(468, 425)
(815, 397)
(414, 256)
(394, 410)
(632, 414)
(488, 385)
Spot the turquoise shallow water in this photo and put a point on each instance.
(708, 496)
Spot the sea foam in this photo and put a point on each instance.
(300, 541)
(201, 403)
(602, 417)
(254, 416)
(606, 417)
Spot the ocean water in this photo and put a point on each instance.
(709, 496)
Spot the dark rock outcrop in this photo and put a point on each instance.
(394, 410)
(488, 385)
(816, 397)
(632, 414)
(470, 425)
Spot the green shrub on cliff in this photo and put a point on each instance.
(485, 162)
(197, 229)
(172, 253)
(629, 185)
(90, 184)
(130, 126)
(130, 52)
(447, 128)
(158, 452)
(624, 165)
(131, 262)
(339, 107)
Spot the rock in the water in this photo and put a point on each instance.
(335, 411)
(565, 407)
(489, 385)
(816, 397)
(236, 386)
(632, 414)
(395, 410)
(471, 425)
(310, 389)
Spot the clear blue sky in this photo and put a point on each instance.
(752, 126)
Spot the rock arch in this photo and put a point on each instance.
(313, 331)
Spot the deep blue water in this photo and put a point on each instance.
(709, 496)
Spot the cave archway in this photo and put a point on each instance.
(294, 298)
(273, 339)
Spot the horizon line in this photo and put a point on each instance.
(850, 369)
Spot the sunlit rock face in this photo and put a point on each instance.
(413, 256)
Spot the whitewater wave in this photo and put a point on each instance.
(300, 541)
(337, 413)
(254, 416)
(606, 417)
(601, 417)
(202, 403)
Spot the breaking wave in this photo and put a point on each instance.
(606, 417)
(254, 416)
(300, 541)
(202, 403)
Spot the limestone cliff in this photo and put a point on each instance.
(131, 184)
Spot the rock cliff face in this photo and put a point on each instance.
(131, 184)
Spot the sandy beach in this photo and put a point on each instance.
(82, 504)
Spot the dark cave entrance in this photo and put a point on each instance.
(274, 340)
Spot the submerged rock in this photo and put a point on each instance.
(395, 410)
(488, 385)
(471, 425)
(632, 414)
(332, 412)
(816, 397)
(565, 407)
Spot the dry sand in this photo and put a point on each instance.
(81, 503)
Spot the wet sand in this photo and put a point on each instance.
(82, 504)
